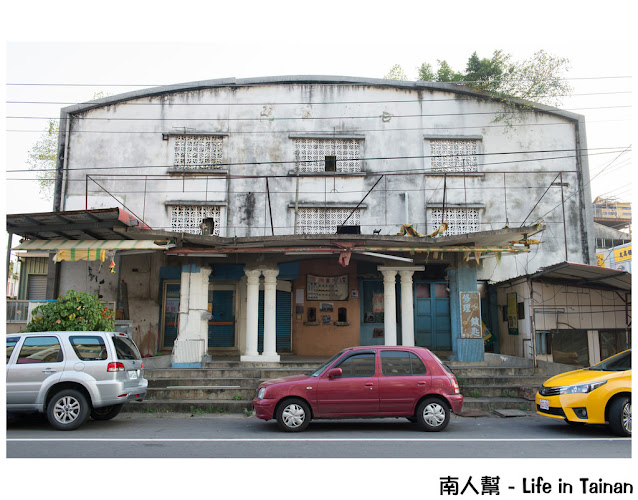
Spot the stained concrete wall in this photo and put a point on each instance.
(258, 123)
(320, 339)
(141, 275)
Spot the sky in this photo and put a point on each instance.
(119, 46)
(89, 54)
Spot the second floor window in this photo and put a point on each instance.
(460, 220)
(454, 155)
(194, 152)
(189, 218)
(325, 220)
(328, 155)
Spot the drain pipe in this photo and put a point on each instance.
(405, 207)
(532, 318)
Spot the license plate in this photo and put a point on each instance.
(132, 375)
(544, 404)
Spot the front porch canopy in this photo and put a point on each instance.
(471, 245)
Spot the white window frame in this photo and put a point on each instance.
(198, 152)
(461, 220)
(191, 212)
(324, 220)
(454, 154)
(311, 153)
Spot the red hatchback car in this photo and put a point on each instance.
(372, 381)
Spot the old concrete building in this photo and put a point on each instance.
(307, 214)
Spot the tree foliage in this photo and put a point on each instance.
(396, 73)
(42, 158)
(75, 311)
(539, 79)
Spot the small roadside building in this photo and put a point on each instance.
(566, 313)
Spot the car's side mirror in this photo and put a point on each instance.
(335, 372)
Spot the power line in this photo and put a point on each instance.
(591, 179)
(359, 130)
(272, 118)
(362, 159)
(302, 103)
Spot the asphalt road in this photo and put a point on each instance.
(177, 435)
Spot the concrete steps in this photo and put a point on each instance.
(503, 383)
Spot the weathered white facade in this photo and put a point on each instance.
(273, 157)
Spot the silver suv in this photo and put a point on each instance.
(73, 375)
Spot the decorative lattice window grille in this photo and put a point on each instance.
(460, 220)
(188, 218)
(310, 154)
(198, 152)
(325, 220)
(454, 155)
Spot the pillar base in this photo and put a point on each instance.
(271, 358)
(260, 358)
(250, 357)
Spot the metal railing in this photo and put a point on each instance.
(19, 311)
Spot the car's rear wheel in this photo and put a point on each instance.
(67, 410)
(620, 416)
(433, 414)
(106, 412)
(293, 415)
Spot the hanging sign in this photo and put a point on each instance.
(327, 287)
(471, 315)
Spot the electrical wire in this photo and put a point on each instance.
(362, 159)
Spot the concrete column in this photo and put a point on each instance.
(407, 308)
(270, 315)
(252, 312)
(462, 278)
(191, 346)
(390, 306)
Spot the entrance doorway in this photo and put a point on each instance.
(433, 324)
(283, 321)
(221, 327)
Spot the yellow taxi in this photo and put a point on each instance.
(600, 394)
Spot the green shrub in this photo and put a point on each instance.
(75, 311)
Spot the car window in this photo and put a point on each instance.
(618, 363)
(125, 348)
(445, 367)
(322, 368)
(11, 343)
(397, 363)
(358, 365)
(40, 350)
(89, 348)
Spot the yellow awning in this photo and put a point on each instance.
(73, 250)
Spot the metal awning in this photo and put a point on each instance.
(100, 224)
(92, 245)
(74, 250)
(567, 273)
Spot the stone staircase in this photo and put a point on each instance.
(221, 386)
(502, 382)
(228, 386)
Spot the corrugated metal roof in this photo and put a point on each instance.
(74, 225)
(585, 276)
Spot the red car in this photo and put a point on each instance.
(372, 381)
